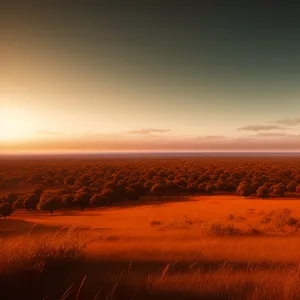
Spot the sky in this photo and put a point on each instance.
(109, 76)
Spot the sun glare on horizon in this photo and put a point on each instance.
(14, 124)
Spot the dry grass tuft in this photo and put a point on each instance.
(280, 218)
(251, 211)
(40, 253)
(219, 229)
(155, 223)
(183, 222)
(233, 217)
(226, 283)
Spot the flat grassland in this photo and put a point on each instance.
(202, 247)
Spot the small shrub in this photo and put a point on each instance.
(292, 221)
(219, 229)
(232, 230)
(266, 219)
(155, 223)
(253, 231)
(251, 211)
(232, 217)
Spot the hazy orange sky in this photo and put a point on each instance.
(85, 78)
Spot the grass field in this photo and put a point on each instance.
(174, 250)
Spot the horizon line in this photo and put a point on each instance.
(145, 152)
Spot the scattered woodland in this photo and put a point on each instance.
(51, 184)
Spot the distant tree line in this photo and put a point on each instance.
(56, 185)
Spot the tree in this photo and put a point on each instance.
(131, 194)
(121, 184)
(38, 189)
(291, 187)
(110, 185)
(150, 174)
(68, 200)
(209, 188)
(139, 189)
(82, 199)
(49, 202)
(244, 189)
(99, 200)
(192, 189)
(31, 201)
(158, 190)
(5, 209)
(202, 187)
(220, 185)
(18, 204)
(262, 192)
(148, 185)
(11, 198)
(181, 182)
(278, 190)
(69, 180)
(172, 188)
(110, 195)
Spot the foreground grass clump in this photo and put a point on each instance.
(219, 229)
(280, 218)
(41, 253)
(226, 283)
(275, 222)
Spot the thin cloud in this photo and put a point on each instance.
(212, 137)
(260, 128)
(272, 134)
(289, 121)
(149, 131)
(48, 133)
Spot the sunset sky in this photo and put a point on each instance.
(102, 77)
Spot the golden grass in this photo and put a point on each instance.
(171, 249)
(254, 284)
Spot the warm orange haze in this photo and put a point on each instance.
(149, 150)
